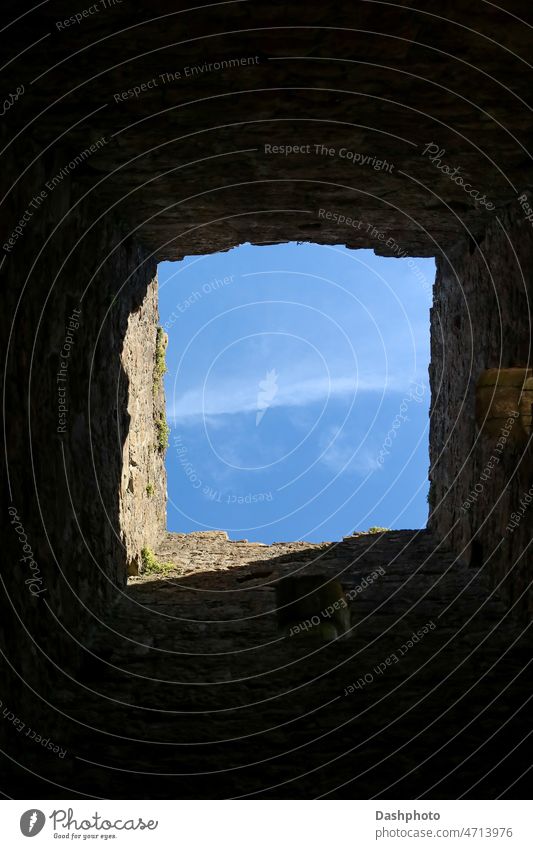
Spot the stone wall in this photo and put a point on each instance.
(321, 134)
(101, 183)
(78, 333)
(143, 491)
(482, 319)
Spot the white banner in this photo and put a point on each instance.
(267, 824)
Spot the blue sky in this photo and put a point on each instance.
(297, 391)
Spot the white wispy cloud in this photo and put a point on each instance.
(240, 396)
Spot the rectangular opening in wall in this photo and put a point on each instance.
(297, 391)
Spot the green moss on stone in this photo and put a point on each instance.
(151, 565)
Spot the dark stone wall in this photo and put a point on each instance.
(482, 319)
(184, 167)
(80, 305)
(333, 110)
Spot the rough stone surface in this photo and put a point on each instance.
(182, 169)
(143, 491)
(482, 319)
(67, 488)
(185, 157)
(190, 690)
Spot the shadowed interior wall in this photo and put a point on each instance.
(80, 316)
(481, 319)
(196, 164)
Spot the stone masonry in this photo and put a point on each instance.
(149, 132)
(188, 688)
